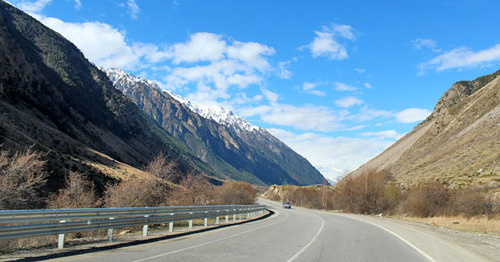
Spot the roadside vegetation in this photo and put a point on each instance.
(378, 194)
(23, 180)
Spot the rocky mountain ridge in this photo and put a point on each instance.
(220, 138)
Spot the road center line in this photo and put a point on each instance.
(310, 242)
(209, 242)
(399, 237)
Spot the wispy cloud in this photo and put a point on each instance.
(307, 117)
(339, 86)
(463, 57)
(133, 9)
(360, 70)
(33, 6)
(283, 71)
(78, 4)
(334, 156)
(310, 88)
(329, 41)
(387, 134)
(348, 101)
(421, 43)
(412, 115)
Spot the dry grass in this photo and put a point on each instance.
(478, 224)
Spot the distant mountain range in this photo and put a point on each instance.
(54, 100)
(458, 144)
(228, 143)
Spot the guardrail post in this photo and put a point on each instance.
(227, 218)
(239, 216)
(60, 243)
(191, 222)
(206, 220)
(217, 218)
(110, 232)
(171, 225)
(234, 216)
(145, 229)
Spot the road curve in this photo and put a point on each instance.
(295, 235)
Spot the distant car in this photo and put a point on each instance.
(287, 205)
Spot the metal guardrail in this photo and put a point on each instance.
(28, 223)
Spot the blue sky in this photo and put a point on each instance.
(338, 81)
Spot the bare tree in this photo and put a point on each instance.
(163, 168)
(21, 177)
(78, 193)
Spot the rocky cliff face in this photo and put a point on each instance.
(228, 143)
(458, 143)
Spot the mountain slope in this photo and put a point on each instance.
(458, 143)
(53, 98)
(225, 141)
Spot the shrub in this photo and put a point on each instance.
(468, 202)
(427, 200)
(137, 193)
(78, 193)
(193, 190)
(21, 178)
(236, 193)
(365, 194)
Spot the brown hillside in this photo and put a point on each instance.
(458, 143)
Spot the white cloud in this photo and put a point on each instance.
(391, 134)
(270, 96)
(310, 88)
(307, 117)
(366, 114)
(339, 86)
(200, 47)
(101, 43)
(33, 6)
(251, 54)
(461, 58)
(411, 115)
(348, 101)
(283, 71)
(133, 9)
(421, 43)
(367, 85)
(78, 4)
(354, 128)
(234, 63)
(332, 156)
(360, 70)
(326, 42)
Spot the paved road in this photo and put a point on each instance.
(296, 235)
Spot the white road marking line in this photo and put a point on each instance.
(396, 235)
(310, 242)
(209, 242)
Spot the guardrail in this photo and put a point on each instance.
(29, 223)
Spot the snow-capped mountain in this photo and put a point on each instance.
(217, 113)
(123, 81)
(233, 147)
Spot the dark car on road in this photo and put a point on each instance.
(287, 205)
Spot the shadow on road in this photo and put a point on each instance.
(136, 242)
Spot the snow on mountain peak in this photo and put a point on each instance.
(216, 113)
(123, 81)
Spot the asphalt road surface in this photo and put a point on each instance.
(298, 235)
